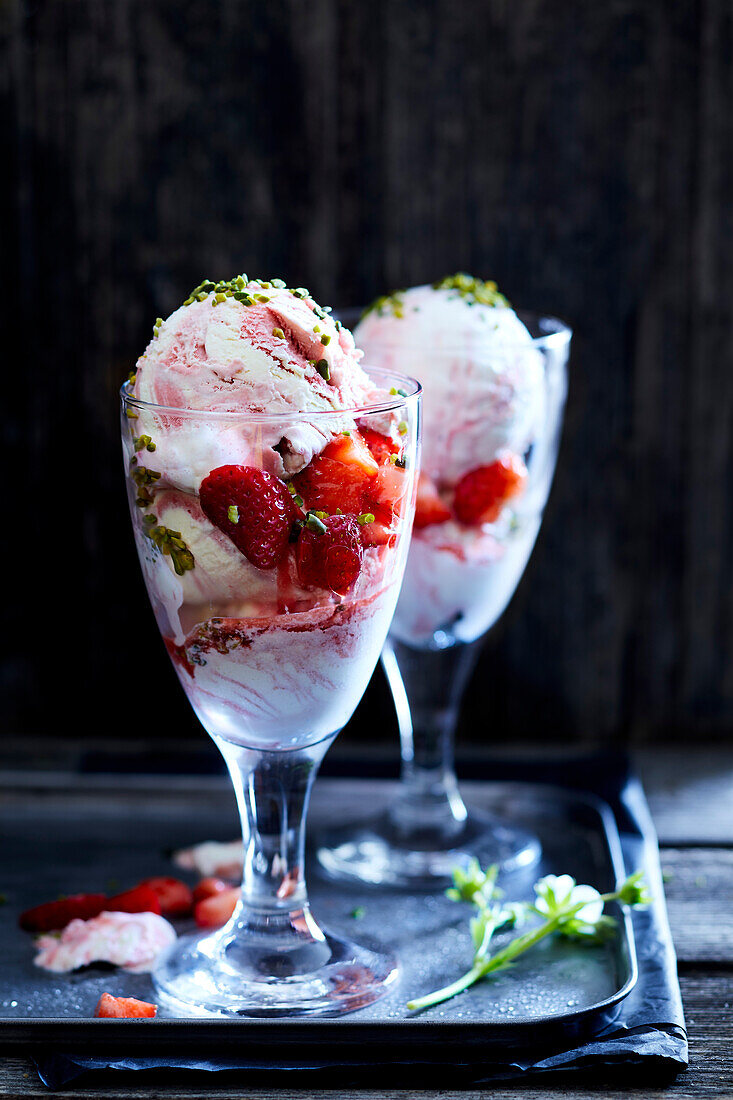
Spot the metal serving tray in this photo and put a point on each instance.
(77, 838)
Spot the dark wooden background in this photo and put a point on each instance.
(579, 153)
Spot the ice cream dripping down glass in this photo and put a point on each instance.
(494, 394)
(273, 648)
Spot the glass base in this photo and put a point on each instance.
(199, 978)
(379, 853)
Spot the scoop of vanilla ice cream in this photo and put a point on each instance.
(222, 572)
(482, 378)
(268, 351)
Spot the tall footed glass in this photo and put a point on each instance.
(460, 576)
(274, 616)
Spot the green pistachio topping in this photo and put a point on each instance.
(278, 333)
(315, 524)
(393, 303)
(365, 517)
(169, 543)
(130, 414)
(324, 370)
(472, 290)
(233, 513)
(325, 340)
(402, 427)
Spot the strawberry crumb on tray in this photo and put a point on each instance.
(123, 1008)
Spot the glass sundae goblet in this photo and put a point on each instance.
(274, 656)
(459, 579)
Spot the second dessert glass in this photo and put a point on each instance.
(273, 661)
(458, 582)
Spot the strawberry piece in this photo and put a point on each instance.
(482, 493)
(430, 508)
(141, 899)
(331, 559)
(388, 492)
(381, 446)
(252, 508)
(209, 887)
(377, 534)
(176, 899)
(56, 914)
(216, 910)
(123, 1008)
(339, 477)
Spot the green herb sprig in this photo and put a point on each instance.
(565, 909)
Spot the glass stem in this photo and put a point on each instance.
(273, 931)
(427, 687)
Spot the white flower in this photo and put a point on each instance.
(555, 892)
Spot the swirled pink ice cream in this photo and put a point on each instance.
(484, 409)
(130, 940)
(268, 503)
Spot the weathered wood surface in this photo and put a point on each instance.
(580, 153)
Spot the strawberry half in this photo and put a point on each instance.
(210, 886)
(56, 914)
(141, 899)
(123, 1008)
(252, 508)
(429, 508)
(175, 898)
(216, 910)
(482, 493)
(331, 558)
(339, 477)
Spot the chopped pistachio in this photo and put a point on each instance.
(314, 524)
(402, 427)
(324, 370)
(278, 333)
(325, 339)
(473, 291)
(233, 513)
(365, 517)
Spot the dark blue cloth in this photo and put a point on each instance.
(647, 1039)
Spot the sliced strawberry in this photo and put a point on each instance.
(331, 558)
(210, 886)
(252, 508)
(430, 508)
(141, 899)
(377, 534)
(123, 1008)
(339, 477)
(176, 899)
(216, 910)
(381, 446)
(482, 493)
(56, 914)
(387, 495)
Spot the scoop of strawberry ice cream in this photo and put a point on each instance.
(130, 940)
(482, 379)
(255, 348)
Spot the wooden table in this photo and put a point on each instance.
(691, 796)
